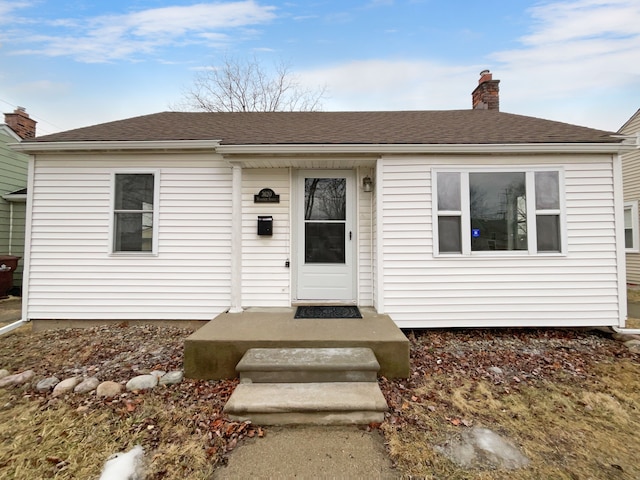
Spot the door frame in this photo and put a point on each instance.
(351, 252)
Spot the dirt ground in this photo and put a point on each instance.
(278, 452)
(567, 397)
(10, 310)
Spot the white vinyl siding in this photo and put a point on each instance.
(365, 241)
(422, 290)
(72, 274)
(265, 277)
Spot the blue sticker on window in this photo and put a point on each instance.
(475, 232)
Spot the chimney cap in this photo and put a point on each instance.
(485, 72)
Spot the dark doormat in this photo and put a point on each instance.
(327, 312)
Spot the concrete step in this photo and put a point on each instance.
(332, 403)
(299, 365)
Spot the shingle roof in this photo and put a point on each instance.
(392, 127)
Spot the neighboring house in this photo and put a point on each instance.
(631, 178)
(467, 218)
(13, 180)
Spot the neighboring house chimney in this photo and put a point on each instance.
(486, 96)
(20, 123)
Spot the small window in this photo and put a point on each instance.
(548, 211)
(631, 227)
(134, 213)
(449, 212)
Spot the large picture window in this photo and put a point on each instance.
(493, 211)
(133, 212)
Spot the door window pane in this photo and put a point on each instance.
(448, 191)
(547, 191)
(498, 211)
(548, 233)
(325, 198)
(449, 237)
(324, 242)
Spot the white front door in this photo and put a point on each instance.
(325, 238)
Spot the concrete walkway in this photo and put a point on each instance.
(311, 452)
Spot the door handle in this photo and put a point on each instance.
(349, 235)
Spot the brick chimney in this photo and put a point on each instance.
(486, 96)
(20, 123)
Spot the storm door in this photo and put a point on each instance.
(325, 236)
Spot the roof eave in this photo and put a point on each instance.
(114, 146)
(514, 148)
(315, 149)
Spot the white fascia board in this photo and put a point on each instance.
(117, 146)
(486, 149)
(17, 198)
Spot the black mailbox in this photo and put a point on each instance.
(265, 225)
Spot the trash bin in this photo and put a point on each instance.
(8, 265)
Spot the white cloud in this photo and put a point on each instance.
(577, 64)
(8, 7)
(582, 45)
(115, 37)
(394, 84)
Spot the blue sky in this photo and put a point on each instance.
(83, 62)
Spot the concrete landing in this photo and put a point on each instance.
(298, 365)
(308, 403)
(213, 351)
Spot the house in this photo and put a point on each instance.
(463, 218)
(13, 180)
(631, 182)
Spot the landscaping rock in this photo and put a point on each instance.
(17, 379)
(633, 346)
(87, 385)
(66, 386)
(108, 389)
(496, 370)
(172, 378)
(142, 382)
(4, 373)
(47, 384)
(158, 373)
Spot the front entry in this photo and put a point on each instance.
(325, 236)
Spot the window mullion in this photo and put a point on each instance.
(532, 227)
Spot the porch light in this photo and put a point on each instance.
(367, 184)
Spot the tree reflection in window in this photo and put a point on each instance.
(498, 211)
(325, 214)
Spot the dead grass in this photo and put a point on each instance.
(571, 429)
(57, 441)
(633, 295)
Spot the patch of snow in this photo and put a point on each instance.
(124, 466)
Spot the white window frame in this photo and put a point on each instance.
(532, 212)
(155, 215)
(633, 206)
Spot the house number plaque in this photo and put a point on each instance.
(266, 195)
